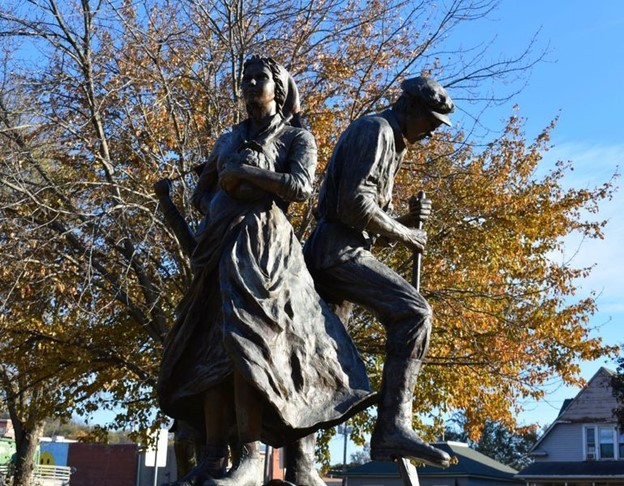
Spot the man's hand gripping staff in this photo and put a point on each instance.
(420, 210)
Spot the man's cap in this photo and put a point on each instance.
(433, 96)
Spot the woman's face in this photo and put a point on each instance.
(258, 85)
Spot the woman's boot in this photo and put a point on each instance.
(248, 472)
(212, 466)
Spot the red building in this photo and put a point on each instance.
(103, 465)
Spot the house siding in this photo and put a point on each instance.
(398, 482)
(564, 443)
(444, 482)
(450, 481)
(375, 482)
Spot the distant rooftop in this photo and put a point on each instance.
(468, 462)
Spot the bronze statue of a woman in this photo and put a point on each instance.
(255, 353)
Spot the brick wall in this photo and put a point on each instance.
(103, 465)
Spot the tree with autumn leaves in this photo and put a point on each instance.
(98, 100)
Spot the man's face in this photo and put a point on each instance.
(419, 126)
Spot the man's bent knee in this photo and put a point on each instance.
(410, 337)
(412, 308)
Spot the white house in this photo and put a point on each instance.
(584, 446)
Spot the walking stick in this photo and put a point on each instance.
(407, 471)
(417, 260)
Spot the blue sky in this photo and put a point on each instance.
(582, 82)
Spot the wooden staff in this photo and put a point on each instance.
(407, 471)
(414, 202)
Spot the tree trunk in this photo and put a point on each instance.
(26, 442)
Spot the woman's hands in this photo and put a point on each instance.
(234, 171)
(230, 177)
(245, 176)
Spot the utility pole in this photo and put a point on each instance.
(345, 430)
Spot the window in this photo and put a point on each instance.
(590, 443)
(603, 442)
(606, 438)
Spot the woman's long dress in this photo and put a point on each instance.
(252, 306)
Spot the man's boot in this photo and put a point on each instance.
(393, 436)
(300, 463)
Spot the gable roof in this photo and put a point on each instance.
(594, 403)
(469, 463)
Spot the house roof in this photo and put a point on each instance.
(566, 404)
(578, 470)
(469, 463)
(591, 404)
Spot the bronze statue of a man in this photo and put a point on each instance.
(353, 200)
